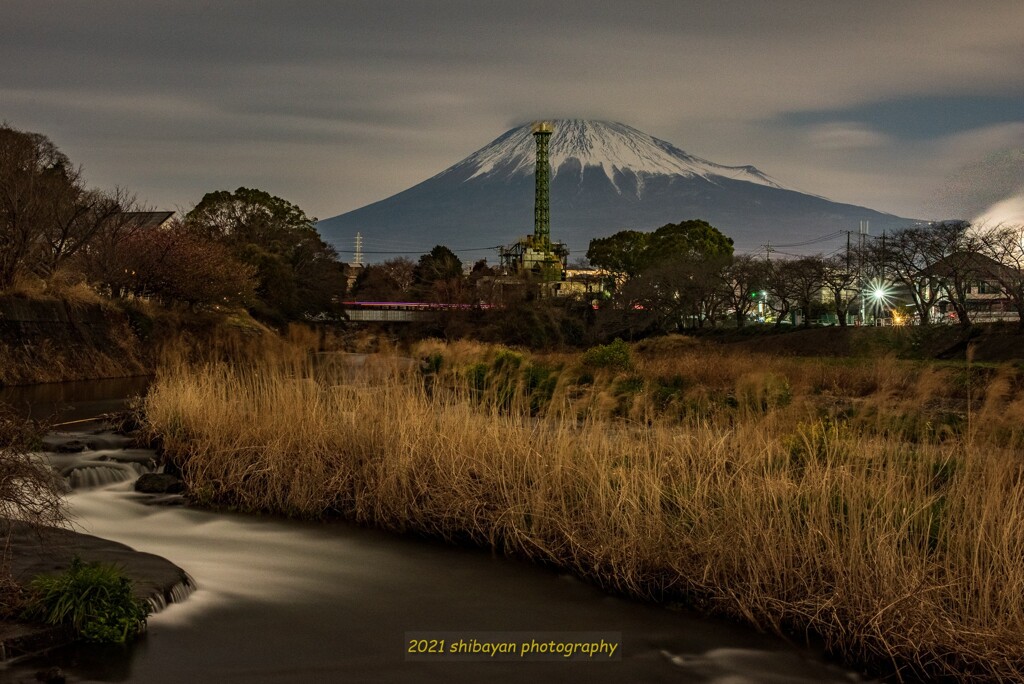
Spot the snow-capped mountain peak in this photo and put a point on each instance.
(607, 177)
(612, 147)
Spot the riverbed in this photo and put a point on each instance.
(285, 601)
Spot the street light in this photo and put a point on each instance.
(881, 295)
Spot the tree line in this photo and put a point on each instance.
(250, 248)
(243, 248)
(686, 276)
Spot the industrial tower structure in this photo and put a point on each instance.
(542, 191)
(536, 254)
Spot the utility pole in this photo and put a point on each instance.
(864, 227)
(883, 256)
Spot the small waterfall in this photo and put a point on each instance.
(270, 589)
(97, 459)
(88, 474)
(176, 594)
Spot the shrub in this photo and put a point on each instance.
(540, 382)
(614, 356)
(669, 389)
(432, 363)
(93, 600)
(822, 442)
(634, 384)
(762, 391)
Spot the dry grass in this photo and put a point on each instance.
(31, 492)
(788, 493)
(64, 285)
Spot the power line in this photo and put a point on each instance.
(821, 238)
(789, 254)
(454, 249)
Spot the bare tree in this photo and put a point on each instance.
(905, 258)
(783, 294)
(1004, 244)
(952, 251)
(28, 164)
(742, 280)
(47, 215)
(806, 276)
(841, 280)
(73, 217)
(31, 491)
(174, 264)
(101, 259)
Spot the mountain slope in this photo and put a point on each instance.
(605, 177)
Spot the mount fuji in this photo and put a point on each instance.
(605, 177)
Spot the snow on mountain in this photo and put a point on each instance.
(612, 147)
(605, 177)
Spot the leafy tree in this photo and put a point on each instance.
(630, 252)
(438, 276)
(250, 215)
(173, 264)
(297, 273)
(622, 253)
(673, 275)
(438, 264)
(390, 281)
(697, 240)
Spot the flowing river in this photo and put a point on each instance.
(283, 601)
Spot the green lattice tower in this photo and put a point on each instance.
(542, 202)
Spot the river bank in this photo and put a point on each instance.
(88, 456)
(281, 600)
(49, 340)
(53, 340)
(34, 552)
(57, 340)
(850, 501)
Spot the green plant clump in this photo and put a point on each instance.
(614, 356)
(93, 600)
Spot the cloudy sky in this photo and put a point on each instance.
(910, 107)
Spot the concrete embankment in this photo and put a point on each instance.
(56, 341)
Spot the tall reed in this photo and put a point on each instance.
(900, 549)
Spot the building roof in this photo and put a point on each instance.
(149, 219)
(974, 263)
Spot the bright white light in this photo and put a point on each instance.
(881, 294)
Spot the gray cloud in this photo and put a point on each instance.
(334, 105)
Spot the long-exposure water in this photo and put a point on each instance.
(284, 601)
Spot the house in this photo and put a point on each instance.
(978, 282)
